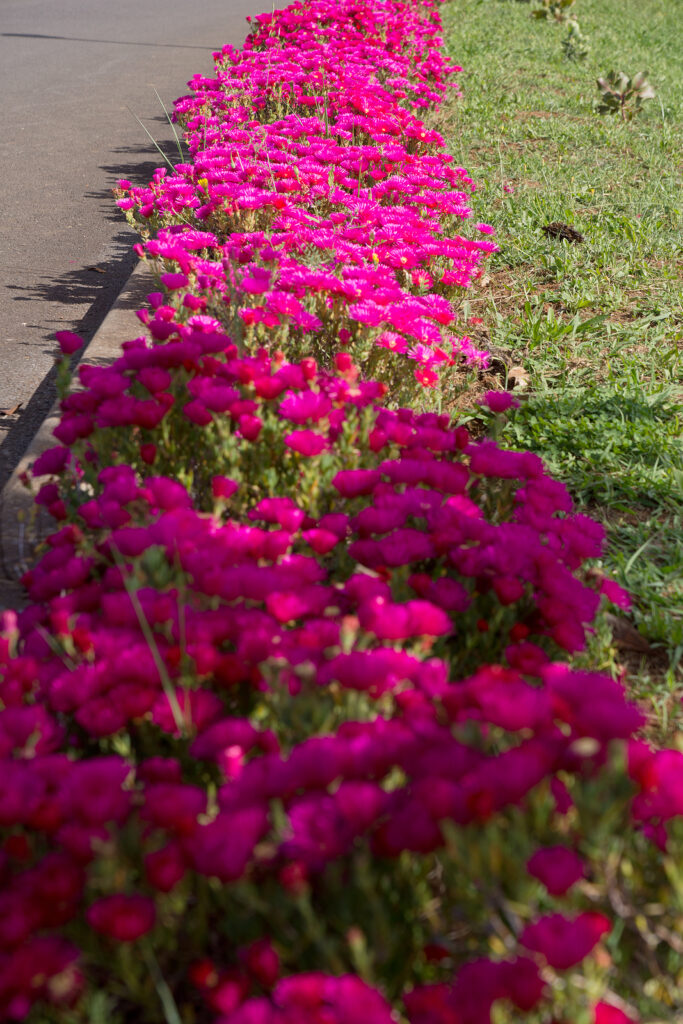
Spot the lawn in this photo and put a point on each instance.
(588, 334)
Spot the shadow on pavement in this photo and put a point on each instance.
(96, 287)
(116, 42)
(78, 287)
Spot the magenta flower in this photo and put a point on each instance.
(565, 941)
(223, 487)
(557, 867)
(307, 405)
(173, 281)
(165, 867)
(499, 401)
(250, 426)
(69, 342)
(124, 918)
(174, 807)
(263, 962)
(306, 442)
(353, 482)
(222, 848)
(616, 594)
(606, 1013)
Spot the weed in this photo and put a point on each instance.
(623, 95)
(575, 44)
(557, 9)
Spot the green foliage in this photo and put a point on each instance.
(557, 9)
(575, 44)
(623, 95)
(614, 448)
(582, 325)
(621, 455)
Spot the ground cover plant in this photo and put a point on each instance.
(293, 725)
(328, 210)
(588, 333)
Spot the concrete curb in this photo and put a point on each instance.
(22, 523)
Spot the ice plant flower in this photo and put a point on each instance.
(293, 674)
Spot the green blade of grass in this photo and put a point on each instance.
(173, 128)
(151, 138)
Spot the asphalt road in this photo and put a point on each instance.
(70, 70)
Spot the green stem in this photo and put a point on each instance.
(168, 1003)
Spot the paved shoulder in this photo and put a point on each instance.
(70, 69)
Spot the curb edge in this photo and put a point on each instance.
(22, 523)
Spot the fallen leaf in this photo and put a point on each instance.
(518, 377)
(559, 230)
(625, 635)
(11, 411)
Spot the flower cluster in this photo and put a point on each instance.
(317, 209)
(309, 715)
(303, 680)
(288, 728)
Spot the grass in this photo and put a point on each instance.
(594, 331)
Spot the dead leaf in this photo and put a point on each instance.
(11, 411)
(98, 270)
(625, 635)
(559, 230)
(518, 377)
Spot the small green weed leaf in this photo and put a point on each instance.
(618, 91)
(575, 44)
(556, 9)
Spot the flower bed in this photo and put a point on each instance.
(290, 729)
(318, 211)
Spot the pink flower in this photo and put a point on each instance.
(616, 594)
(322, 541)
(222, 848)
(51, 461)
(390, 621)
(307, 405)
(499, 401)
(565, 941)
(353, 482)
(197, 413)
(174, 806)
(164, 868)
(262, 961)
(148, 453)
(605, 1013)
(173, 281)
(393, 342)
(522, 982)
(167, 494)
(223, 487)
(557, 867)
(43, 967)
(93, 793)
(250, 426)
(508, 589)
(306, 442)
(124, 918)
(69, 342)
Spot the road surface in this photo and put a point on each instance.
(70, 70)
